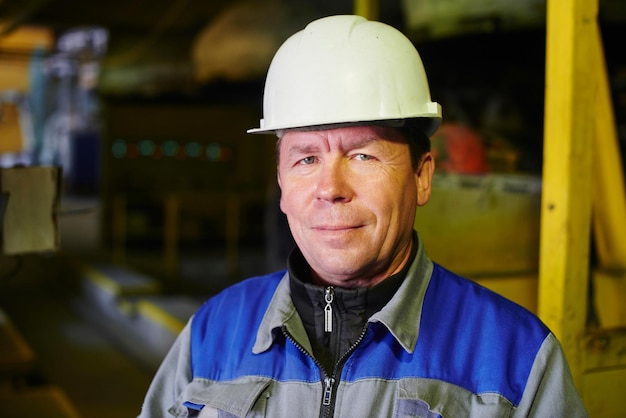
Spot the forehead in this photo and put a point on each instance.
(349, 136)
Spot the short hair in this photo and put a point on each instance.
(419, 143)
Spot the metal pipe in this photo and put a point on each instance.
(369, 9)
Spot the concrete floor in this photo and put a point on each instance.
(96, 364)
(98, 377)
(84, 361)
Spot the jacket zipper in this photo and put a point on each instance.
(331, 387)
(328, 382)
(329, 296)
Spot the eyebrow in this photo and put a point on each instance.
(358, 143)
(301, 149)
(364, 142)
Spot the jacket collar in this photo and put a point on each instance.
(401, 316)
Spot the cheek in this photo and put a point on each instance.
(289, 198)
(286, 191)
(401, 202)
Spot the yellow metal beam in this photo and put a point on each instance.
(609, 193)
(567, 173)
(367, 8)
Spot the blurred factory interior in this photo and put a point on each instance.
(130, 191)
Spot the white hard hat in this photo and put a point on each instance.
(346, 69)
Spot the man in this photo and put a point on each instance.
(363, 323)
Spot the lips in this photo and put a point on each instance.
(336, 234)
(333, 228)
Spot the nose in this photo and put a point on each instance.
(333, 183)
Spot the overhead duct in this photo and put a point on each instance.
(240, 43)
(433, 19)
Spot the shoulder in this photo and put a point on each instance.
(245, 295)
(492, 339)
(467, 301)
(480, 323)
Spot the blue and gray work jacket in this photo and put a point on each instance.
(442, 347)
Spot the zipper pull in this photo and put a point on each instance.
(329, 295)
(328, 390)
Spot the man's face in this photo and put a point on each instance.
(350, 196)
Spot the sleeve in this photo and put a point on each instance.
(550, 390)
(173, 375)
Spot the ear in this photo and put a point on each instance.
(424, 178)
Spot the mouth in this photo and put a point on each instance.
(336, 236)
(335, 227)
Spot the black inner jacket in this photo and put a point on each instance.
(351, 308)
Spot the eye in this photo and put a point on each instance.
(363, 157)
(307, 160)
